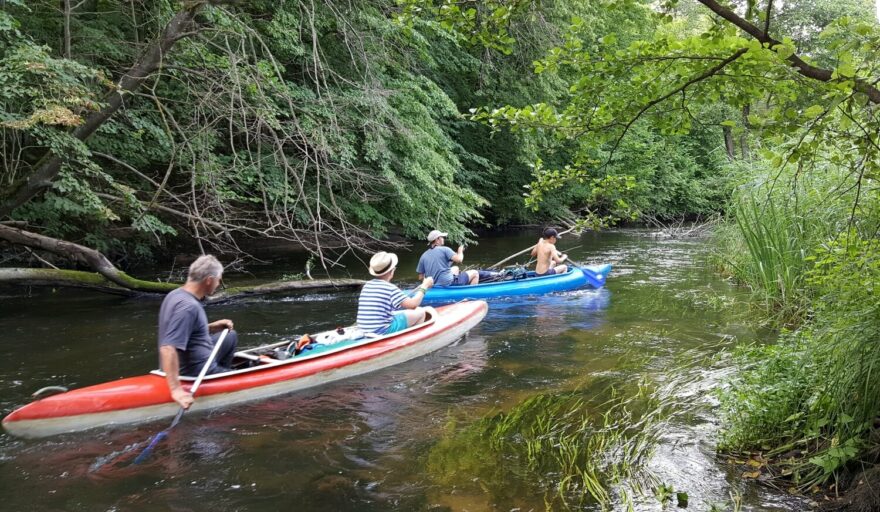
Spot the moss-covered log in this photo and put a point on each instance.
(57, 278)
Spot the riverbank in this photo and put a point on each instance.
(375, 443)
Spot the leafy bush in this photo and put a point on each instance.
(816, 393)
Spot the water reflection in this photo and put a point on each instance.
(361, 444)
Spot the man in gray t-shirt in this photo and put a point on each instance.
(437, 262)
(185, 336)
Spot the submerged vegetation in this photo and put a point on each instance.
(573, 448)
(137, 128)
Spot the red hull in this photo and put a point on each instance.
(146, 397)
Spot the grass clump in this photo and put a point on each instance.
(811, 400)
(777, 224)
(572, 448)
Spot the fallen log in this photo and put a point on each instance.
(60, 278)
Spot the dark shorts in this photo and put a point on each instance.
(461, 280)
(549, 272)
(222, 361)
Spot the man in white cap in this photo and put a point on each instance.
(437, 262)
(382, 307)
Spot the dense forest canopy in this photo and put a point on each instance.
(133, 128)
(128, 125)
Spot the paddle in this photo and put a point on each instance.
(505, 260)
(163, 434)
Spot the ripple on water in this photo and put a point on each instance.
(362, 444)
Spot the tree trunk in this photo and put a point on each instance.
(744, 138)
(80, 254)
(50, 165)
(56, 278)
(109, 279)
(729, 144)
(65, 37)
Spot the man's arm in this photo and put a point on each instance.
(219, 325)
(414, 301)
(458, 257)
(558, 257)
(171, 366)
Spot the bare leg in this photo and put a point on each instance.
(414, 316)
(561, 269)
(473, 276)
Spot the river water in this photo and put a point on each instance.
(364, 444)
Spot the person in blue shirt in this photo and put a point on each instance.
(437, 262)
(382, 307)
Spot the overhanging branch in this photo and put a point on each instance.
(48, 169)
(804, 68)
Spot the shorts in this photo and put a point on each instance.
(397, 324)
(551, 271)
(460, 280)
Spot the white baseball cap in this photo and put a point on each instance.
(434, 235)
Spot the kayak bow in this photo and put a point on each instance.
(255, 375)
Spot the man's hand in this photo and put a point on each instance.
(182, 397)
(461, 249)
(428, 282)
(219, 325)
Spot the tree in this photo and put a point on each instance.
(667, 79)
(327, 149)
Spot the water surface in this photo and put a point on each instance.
(362, 444)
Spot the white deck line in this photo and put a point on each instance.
(53, 426)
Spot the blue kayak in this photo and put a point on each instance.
(592, 276)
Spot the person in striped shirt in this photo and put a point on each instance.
(382, 307)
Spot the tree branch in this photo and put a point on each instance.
(805, 69)
(48, 169)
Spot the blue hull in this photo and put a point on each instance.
(592, 276)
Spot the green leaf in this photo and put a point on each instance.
(814, 111)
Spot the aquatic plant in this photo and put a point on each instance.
(573, 447)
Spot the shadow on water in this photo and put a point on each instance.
(366, 444)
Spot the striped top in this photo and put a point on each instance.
(378, 301)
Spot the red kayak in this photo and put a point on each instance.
(257, 373)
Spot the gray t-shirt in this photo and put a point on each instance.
(183, 324)
(435, 262)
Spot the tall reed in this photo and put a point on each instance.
(777, 223)
(810, 254)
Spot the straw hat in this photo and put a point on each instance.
(382, 262)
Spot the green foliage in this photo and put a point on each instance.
(556, 445)
(481, 24)
(816, 390)
(347, 136)
(668, 72)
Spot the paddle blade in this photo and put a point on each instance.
(144, 455)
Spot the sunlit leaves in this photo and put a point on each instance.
(483, 24)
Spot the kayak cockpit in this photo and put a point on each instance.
(327, 342)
